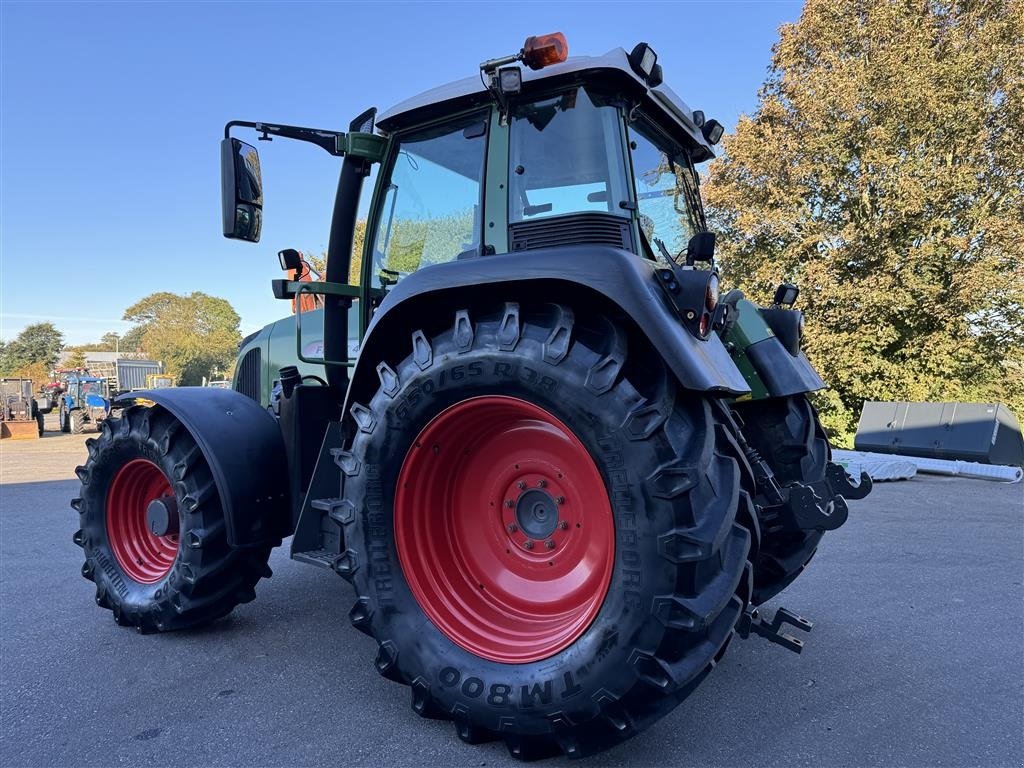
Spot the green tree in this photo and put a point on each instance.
(883, 171)
(195, 335)
(319, 263)
(110, 341)
(413, 244)
(132, 339)
(32, 351)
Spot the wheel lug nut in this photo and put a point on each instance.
(509, 503)
(528, 544)
(521, 485)
(560, 500)
(542, 483)
(512, 528)
(564, 525)
(550, 543)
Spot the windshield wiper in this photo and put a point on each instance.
(692, 192)
(664, 251)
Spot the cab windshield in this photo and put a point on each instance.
(92, 388)
(566, 156)
(667, 193)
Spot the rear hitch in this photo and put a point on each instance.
(812, 513)
(751, 623)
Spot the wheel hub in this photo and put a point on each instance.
(504, 529)
(162, 516)
(536, 514)
(139, 506)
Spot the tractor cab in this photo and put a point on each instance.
(589, 150)
(536, 153)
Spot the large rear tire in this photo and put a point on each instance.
(185, 574)
(518, 428)
(788, 435)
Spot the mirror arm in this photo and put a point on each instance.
(328, 140)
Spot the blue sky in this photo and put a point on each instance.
(111, 114)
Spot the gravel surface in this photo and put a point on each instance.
(916, 657)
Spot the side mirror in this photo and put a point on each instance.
(701, 247)
(241, 190)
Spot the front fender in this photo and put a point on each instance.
(592, 272)
(765, 362)
(243, 446)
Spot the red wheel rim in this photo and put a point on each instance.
(143, 557)
(484, 478)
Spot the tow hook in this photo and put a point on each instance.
(839, 481)
(751, 623)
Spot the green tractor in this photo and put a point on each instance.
(558, 467)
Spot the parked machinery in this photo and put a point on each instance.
(84, 402)
(19, 413)
(125, 374)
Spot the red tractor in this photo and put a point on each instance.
(557, 466)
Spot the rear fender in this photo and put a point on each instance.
(243, 446)
(589, 277)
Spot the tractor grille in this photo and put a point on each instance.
(577, 229)
(248, 380)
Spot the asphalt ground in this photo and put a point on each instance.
(916, 658)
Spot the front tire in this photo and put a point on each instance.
(76, 423)
(183, 575)
(605, 624)
(788, 435)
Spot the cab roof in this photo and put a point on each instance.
(613, 67)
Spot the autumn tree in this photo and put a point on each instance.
(195, 335)
(883, 172)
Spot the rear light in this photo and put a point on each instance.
(542, 51)
(711, 293)
(694, 294)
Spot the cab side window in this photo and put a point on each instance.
(430, 212)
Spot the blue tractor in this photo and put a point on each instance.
(85, 401)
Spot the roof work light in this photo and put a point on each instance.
(712, 130)
(510, 80)
(644, 62)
